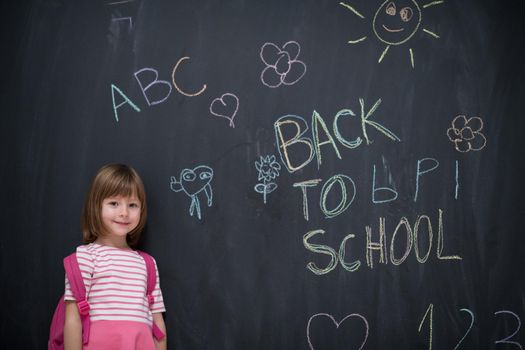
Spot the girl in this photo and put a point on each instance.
(114, 274)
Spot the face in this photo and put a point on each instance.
(195, 180)
(396, 21)
(120, 215)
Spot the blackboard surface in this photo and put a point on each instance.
(320, 174)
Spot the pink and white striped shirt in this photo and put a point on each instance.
(116, 282)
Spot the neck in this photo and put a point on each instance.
(115, 242)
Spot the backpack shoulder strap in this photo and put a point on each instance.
(76, 282)
(152, 273)
(74, 276)
(151, 281)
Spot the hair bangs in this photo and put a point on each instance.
(123, 184)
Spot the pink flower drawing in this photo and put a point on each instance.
(282, 65)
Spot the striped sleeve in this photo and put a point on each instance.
(86, 265)
(158, 305)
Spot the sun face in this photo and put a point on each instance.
(395, 22)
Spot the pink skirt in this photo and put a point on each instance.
(120, 335)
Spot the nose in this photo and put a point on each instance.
(124, 210)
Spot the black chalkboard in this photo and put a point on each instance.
(320, 174)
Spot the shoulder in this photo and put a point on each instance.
(147, 256)
(87, 252)
(86, 248)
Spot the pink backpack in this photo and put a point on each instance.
(74, 276)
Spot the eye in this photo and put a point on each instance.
(188, 176)
(391, 9)
(205, 176)
(113, 203)
(406, 14)
(134, 205)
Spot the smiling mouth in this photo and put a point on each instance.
(393, 30)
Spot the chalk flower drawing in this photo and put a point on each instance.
(282, 65)
(192, 182)
(268, 169)
(466, 134)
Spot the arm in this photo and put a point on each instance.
(72, 327)
(159, 321)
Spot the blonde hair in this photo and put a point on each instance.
(112, 180)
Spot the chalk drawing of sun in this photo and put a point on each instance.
(395, 22)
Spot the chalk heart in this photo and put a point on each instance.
(195, 180)
(337, 326)
(226, 107)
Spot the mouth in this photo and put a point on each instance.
(393, 30)
(121, 223)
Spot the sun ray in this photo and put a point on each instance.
(357, 40)
(411, 57)
(433, 3)
(383, 54)
(352, 9)
(431, 33)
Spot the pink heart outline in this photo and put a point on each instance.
(221, 101)
(337, 324)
